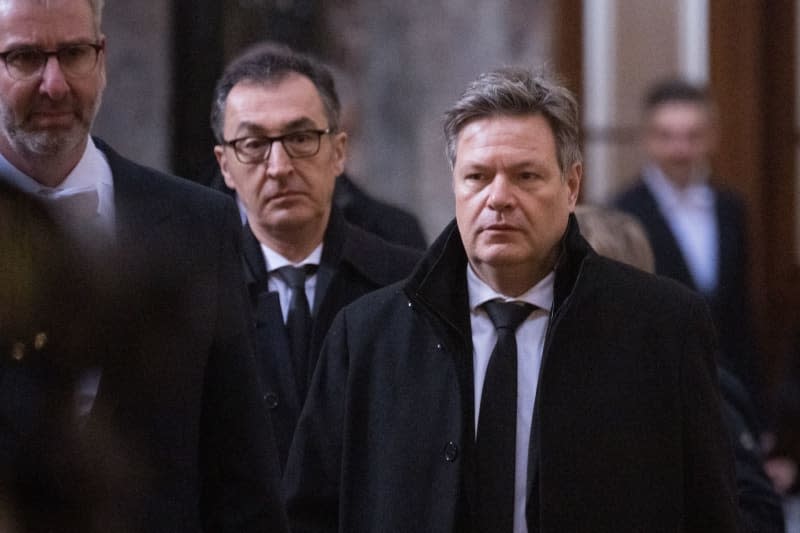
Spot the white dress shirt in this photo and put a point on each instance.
(274, 261)
(691, 215)
(530, 343)
(91, 172)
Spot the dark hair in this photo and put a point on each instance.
(675, 90)
(270, 62)
(516, 91)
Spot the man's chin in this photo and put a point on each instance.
(50, 143)
(290, 219)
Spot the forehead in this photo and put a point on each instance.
(274, 105)
(44, 22)
(516, 137)
(679, 114)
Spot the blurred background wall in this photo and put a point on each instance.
(407, 61)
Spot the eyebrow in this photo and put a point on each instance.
(527, 164)
(19, 45)
(294, 125)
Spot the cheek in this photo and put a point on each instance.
(248, 184)
(14, 102)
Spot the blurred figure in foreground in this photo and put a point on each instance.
(166, 395)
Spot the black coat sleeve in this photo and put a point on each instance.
(313, 472)
(710, 490)
(239, 468)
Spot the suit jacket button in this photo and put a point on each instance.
(451, 452)
(271, 400)
(18, 351)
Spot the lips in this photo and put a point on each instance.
(500, 227)
(284, 195)
(52, 116)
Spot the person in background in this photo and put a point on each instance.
(360, 208)
(620, 236)
(280, 147)
(165, 397)
(696, 228)
(515, 381)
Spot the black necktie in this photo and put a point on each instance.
(298, 320)
(497, 423)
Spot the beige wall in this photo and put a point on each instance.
(410, 60)
(644, 47)
(134, 117)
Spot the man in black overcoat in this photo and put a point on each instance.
(599, 413)
(280, 148)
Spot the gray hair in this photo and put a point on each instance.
(270, 62)
(97, 11)
(514, 91)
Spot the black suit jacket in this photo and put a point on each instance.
(729, 303)
(385, 220)
(353, 263)
(178, 439)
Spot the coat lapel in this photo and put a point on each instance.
(140, 211)
(273, 355)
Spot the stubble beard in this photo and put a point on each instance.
(49, 143)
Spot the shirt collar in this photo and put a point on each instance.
(274, 260)
(540, 295)
(88, 174)
(697, 193)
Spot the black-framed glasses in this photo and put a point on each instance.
(253, 149)
(76, 60)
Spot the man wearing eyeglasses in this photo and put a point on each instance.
(168, 411)
(275, 116)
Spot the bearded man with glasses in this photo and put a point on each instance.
(276, 118)
(167, 408)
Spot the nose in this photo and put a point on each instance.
(54, 83)
(278, 162)
(501, 195)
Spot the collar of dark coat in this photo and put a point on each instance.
(137, 199)
(440, 281)
(344, 245)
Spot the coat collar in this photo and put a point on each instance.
(344, 246)
(439, 280)
(137, 200)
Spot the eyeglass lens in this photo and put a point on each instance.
(75, 60)
(297, 145)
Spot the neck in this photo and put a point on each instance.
(49, 170)
(509, 280)
(296, 243)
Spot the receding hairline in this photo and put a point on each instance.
(96, 7)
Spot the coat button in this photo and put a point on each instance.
(18, 351)
(40, 341)
(271, 400)
(451, 452)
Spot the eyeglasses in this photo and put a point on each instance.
(298, 144)
(76, 60)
